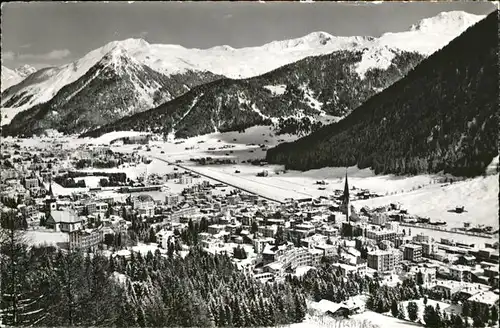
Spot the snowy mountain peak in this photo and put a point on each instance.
(9, 77)
(447, 21)
(222, 48)
(424, 38)
(119, 58)
(25, 70)
(319, 37)
(129, 44)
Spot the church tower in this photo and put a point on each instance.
(50, 200)
(345, 202)
(51, 193)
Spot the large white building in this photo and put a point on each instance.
(84, 239)
(144, 205)
(382, 261)
(381, 234)
(65, 221)
(171, 199)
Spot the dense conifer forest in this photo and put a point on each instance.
(443, 116)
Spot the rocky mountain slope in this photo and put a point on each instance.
(190, 67)
(314, 86)
(114, 87)
(442, 116)
(11, 77)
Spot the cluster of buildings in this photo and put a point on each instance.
(265, 239)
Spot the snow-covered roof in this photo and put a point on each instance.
(65, 216)
(487, 297)
(326, 305)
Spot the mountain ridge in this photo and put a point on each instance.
(315, 86)
(116, 86)
(443, 116)
(11, 77)
(221, 60)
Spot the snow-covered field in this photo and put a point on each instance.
(367, 319)
(479, 196)
(41, 237)
(107, 138)
(8, 114)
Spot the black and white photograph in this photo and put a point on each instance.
(292, 164)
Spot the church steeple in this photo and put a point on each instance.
(346, 197)
(51, 193)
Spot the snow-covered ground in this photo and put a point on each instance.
(479, 196)
(107, 138)
(383, 321)
(42, 237)
(8, 114)
(367, 319)
(420, 195)
(91, 182)
(449, 308)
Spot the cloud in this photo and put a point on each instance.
(228, 16)
(53, 55)
(25, 46)
(8, 55)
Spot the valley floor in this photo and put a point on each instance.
(422, 195)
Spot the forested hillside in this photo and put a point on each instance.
(313, 86)
(442, 116)
(60, 289)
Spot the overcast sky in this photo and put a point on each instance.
(45, 34)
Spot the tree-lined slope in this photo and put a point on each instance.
(442, 116)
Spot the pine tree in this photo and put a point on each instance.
(228, 315)
(466, 309)
(300, 308)
(15, 269)
(494, 314)
(394, 308)
(430, 316)
(401, 312)
(279, 237)
(485, 314)
(458, 322)
(412, 310)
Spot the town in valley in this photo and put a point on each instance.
(212, 205)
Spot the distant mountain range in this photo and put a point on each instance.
(91, 93)
(443, 116)
(11, 77)
(311, 87)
